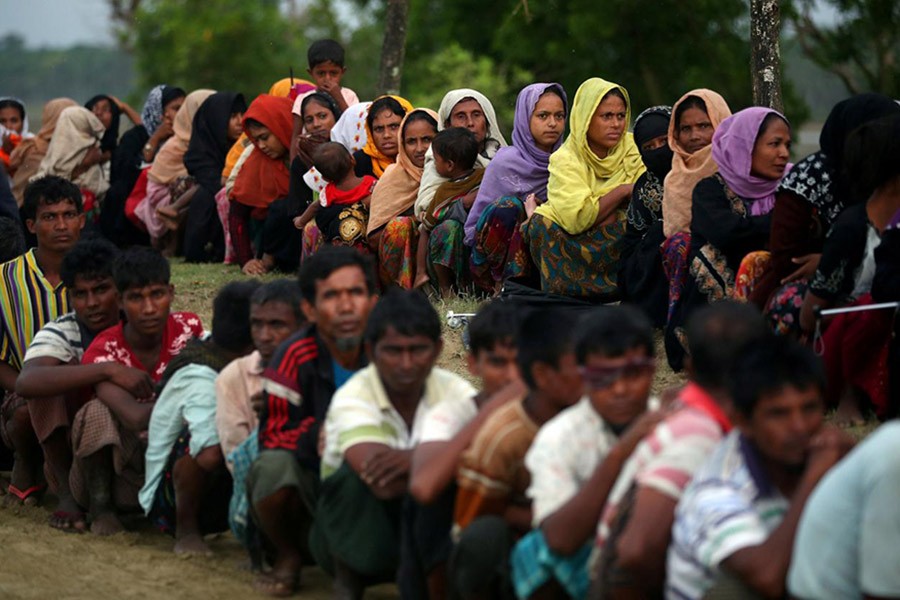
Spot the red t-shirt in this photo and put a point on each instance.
(110, 345)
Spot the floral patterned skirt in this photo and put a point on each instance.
(499, 252)
(675, 265)
(579, 266)
(752, 268)
(447, 249)
(397, 252)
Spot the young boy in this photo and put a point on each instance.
(326, 67)
(32, 294)
(576, 457)
(446, 432)
(345, 192)
(187, 489)
(455, 152)
(734, 526)
(373, 424)
(108, 467)
(275, 315)
(634, 530)
(53, 378)
(492, 509)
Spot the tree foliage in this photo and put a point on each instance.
(862, 48)
(657, 49)
(224, 45)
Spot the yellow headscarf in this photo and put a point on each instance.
(578, 178)
(380, 162)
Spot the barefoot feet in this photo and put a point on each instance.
(191, 544)
(106, 523)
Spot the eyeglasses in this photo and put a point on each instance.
(604, 377)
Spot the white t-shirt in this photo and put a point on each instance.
(448, 418)
(565, 454)
(61, 339)
(361, 412)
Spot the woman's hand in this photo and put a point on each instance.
(531, 204)
(806, 267)
(254, 267)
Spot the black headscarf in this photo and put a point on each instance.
(846, 116)
(650, 124)
(209, 145)
(323, 99)
(111, 137)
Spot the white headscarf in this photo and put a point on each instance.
(77, 131)
(25, 132)
(494, 140)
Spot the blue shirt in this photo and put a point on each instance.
(341, 375)
(846, 543)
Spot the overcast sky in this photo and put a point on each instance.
(58, 23)
(62, 23)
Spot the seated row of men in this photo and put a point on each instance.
(314, 422)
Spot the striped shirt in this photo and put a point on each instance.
(728, 506)
(492, 474)
(27, 302)
(665, 460)
(361, 412)
(63, 339)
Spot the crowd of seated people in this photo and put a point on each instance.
(310, 417)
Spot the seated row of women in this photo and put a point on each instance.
(695, 205)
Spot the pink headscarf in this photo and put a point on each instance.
(732, 149)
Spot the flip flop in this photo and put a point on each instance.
(25, 495)
(71, 518)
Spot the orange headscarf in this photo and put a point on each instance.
(262, 179)
(380, 162)
(687, 168)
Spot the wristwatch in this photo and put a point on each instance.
(148, 148)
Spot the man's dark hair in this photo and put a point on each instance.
(716, 335)
(231, 315)
(90, 259)
(12, 240)
(611, 331)
(333, 161)
(457, 145)
(326, 261)
(408, 312)
(769, 365)
(139, 267)
(285, 291)
(496, 323)
(545, 336)
(325, 51)
(48, 190)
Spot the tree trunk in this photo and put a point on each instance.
(394, 47)
(765, 53)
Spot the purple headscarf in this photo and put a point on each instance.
(520, 169)
(732, 150)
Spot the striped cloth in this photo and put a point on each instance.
(27, 302)
(728, 506)
(361, 412)
(492, 473)
(64, 339)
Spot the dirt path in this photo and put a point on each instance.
(38, 563)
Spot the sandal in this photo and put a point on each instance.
(27, 495)
(70, 519)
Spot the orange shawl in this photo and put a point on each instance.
(398, 188)
(261, 179)
(380, 162)
(687, 168)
